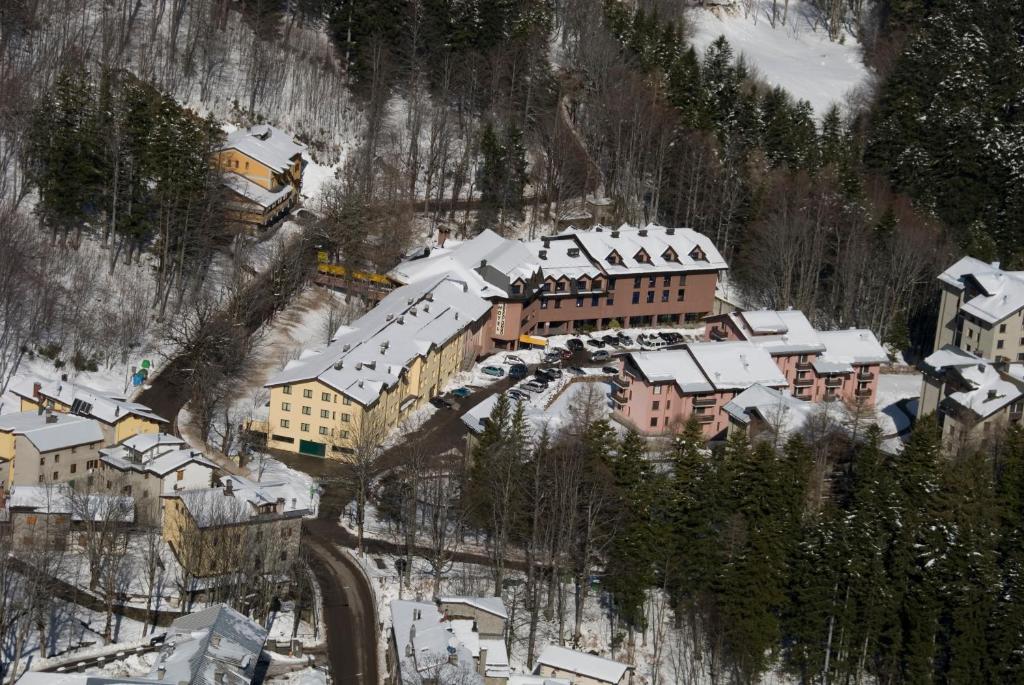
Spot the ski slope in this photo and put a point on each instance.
(797, 56)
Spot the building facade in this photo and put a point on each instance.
(48, 447)
(263, 174)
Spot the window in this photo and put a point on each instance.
(286, 389)
(304, 427)
(1002, 328)
(74, 468)
(92, 463)
(558, 304)
(346, 400)
(654, 422)
(284, 556)
(56, 458)
(325, 397)
(594, 299)
(657, 389)
(609, 302)
(56, 475)
(636, 298)
(655, 405)
(999, 344)
(42, 461)
(667, 281)
(286, 406)
(664, 296)
(543, 304)
(652, 281)
(596, 284)
(560, 287)
(650, 296)
(285, 423)
(307, 411)
(307, 393)
(581, 284)
(345, 418)
(579, 301)
(343, 434)
(680, 295)
(42, 478)
(636, 282)
(180, 474)
(325, 413)
(323, 430)
(970, 333)
(517, 289)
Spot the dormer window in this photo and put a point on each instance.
(560, 286)
(697, 255)
(614, 258)
(581, 284)
(517, 288)
(642, 257)
(670, 255)
(574, 252)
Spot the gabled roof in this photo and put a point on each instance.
(1001, 292)
(492, 605)
(101, 405)
(215, 640)
(266, 144)
(61, 431)
(736, 365)
(843, 349)
(581, 663)
(677, 366)
(254, 192)
(653, 240)
(777, 408)
(58, 498)
(376, 350)
(238, 500)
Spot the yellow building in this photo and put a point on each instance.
(240, 526)
(263, 174)
(47, 447)
(118, 418)
(377, 372)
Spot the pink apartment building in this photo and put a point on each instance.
(780, 351)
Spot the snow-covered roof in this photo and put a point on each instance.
(736, 365)
(255, 192)
(157, 460)
(991, 391)
(58, 498)
(651, 248)
(53, 431)
(779, 409)
(104, 406)
(581, 663)
(424, 642)
(201, 646)
(563, 258)
(492, 605)
(1001, 292)
(239, 499)
(266, 144)
(843, 349)
(677, 366)
(951, 357)
(487, 264)
(381, 344)
(536, 680)
(780, 332)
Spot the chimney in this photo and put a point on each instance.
(543, 254)
(389, 317)
(117, 411)
(412, 312)
(339, 365)
(547, 243)
(384, 346)
(229, 488)
(63, 377)
(428, 296)
(481, 667)
(37, 390)
(643, 232)
(409, 301)
(346, 347)
(992, 394)
(401, 320)
(483, 263)
(50, 417)
(426, 308)
(615, 234)
(670, 231)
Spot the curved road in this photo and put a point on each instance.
(349, 608)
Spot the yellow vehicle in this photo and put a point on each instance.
(325, 267)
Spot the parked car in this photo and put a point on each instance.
(653, 343)
(441, 403)
(496, 371)
(462, 392)
(576, 371)
(611, 340)
(518, 394)
(553, 372)
(552, 358)
(625, 339)
(600, 356)
(613, 370)
(513, 359)
(518, 371)
(574, 344)
(565, 354)
(535, 387)
(595, 342)
(543, 376)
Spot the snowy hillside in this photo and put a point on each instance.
(797, 56)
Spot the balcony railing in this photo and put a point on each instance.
(833, 382)
(803, 382)
(800, 396)
(803, 366)
(619, 395)
(863, 392)
(717, 334)
(704, 401)
(704, 418)
(865, 376)
(620, 382)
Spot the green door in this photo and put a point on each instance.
(314, 449)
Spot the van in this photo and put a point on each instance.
(653, 343)
(518, 371)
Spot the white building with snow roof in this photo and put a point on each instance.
(581, 668)
(48, 447)
(377, 371)
(46, 514)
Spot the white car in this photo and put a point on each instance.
(513, 359)
(535, 388)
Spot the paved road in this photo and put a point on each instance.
(349, 612)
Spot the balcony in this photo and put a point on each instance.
(804, 382)
(620, 382)
(618, 396)
(833, 382)
(800, 396)
(717, 334)
(704, 401)
(704, 418)
(863, 392)
(1015, 416)
(803, 366)
(865, 375)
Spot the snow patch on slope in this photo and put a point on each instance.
(797, 56)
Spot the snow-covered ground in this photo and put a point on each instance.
(797, 55)
(898, 394)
